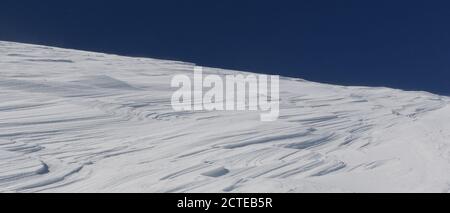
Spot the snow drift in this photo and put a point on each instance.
(76, 121)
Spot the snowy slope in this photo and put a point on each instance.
(75, 121)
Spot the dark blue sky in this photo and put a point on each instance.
(401, 44)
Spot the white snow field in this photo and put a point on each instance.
(76, 121)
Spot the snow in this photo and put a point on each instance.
(76, 121)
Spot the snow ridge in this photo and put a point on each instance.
(76, 121)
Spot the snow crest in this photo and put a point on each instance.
(76, 121)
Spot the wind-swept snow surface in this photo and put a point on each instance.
(75, 121)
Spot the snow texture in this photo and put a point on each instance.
(76, 121)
